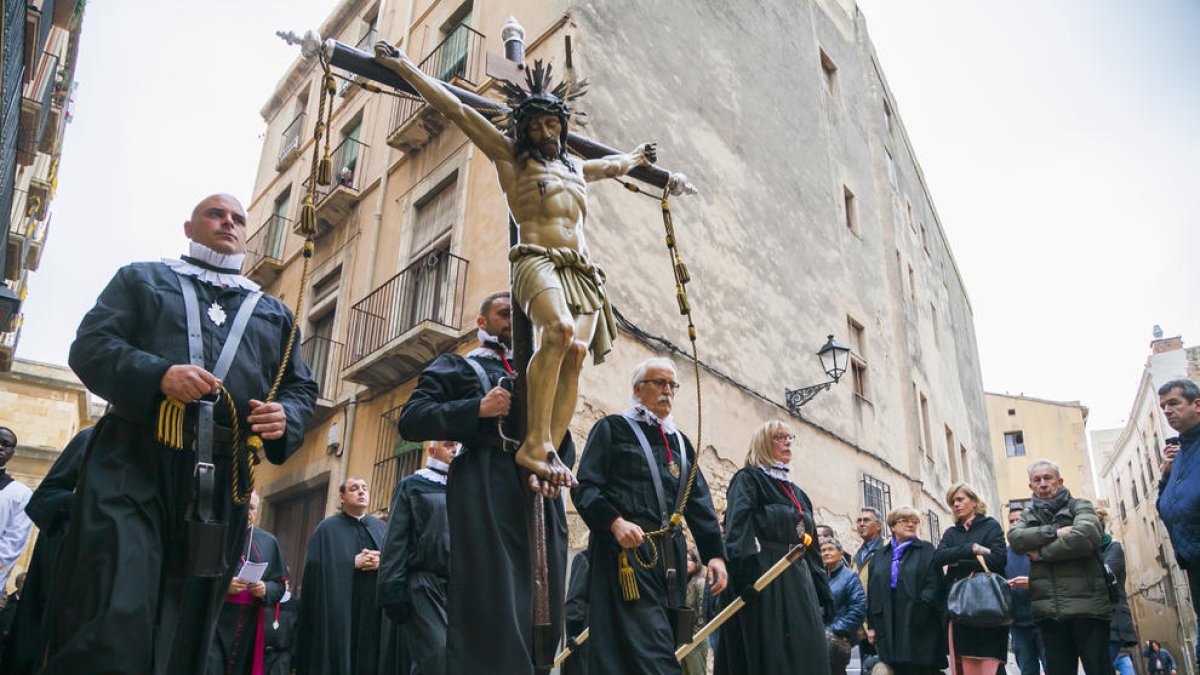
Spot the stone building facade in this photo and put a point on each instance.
(1128, 460)
(813, 218)
(45, 405)
(1025, 429)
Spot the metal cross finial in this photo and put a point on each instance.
(310, 43)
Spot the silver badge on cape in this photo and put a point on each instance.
(216, 314)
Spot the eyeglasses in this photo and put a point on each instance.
(662, 384)
(784, 437)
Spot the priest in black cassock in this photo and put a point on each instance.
(415, 567)
(766, 514)
(630, 479)
(575, 613)
(154, 532)
(239, 646)
(341, 625)
(50, 509)
(490, 603)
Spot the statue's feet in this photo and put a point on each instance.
(545, 464)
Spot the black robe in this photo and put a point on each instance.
(122, 600)
(50, 509)
(575, 612)
(414, 571)
(781, 630)
(341, 625)
(237, 638)
(615, 480)
(490, 602)
(907, 619)
(954, 552)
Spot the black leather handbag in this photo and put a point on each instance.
(982, 600)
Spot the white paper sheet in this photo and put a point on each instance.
(252, 572)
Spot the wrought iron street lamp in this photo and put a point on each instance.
(834, 359)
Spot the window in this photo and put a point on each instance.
(434, 215)
(927, 433)
(1133, 485)
(851, 214)
(876, 494)
(857, 357)
(395, 458)
(887, 118)
(319, 354)
(912, 285)
(456, 36)
(933, 318)
(924, 238)
(912, 221)
(891, 168)
(964, 465)
(950, 455)
(1014, 443)
(1021, 504)
(1012, 412)
(935, 528)
(829, 68)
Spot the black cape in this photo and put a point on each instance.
(490, 601)
(782, 630)
(341, 625)
(49, 508)
(907, 619)
(575, 612)
(121, 600)
(414, 571)
(237, 637)
(615, 480)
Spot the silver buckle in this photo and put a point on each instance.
(207, 466)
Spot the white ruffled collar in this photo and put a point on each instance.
(207, 255)
(435, 471)
(640, 413)
(489, 348)
(778, 472)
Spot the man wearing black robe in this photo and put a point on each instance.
(123, 600)
(50, 509)
(341, 624)
(490, 602)
(575, 613)
(238, 648)
(415, 564)
(618, 500)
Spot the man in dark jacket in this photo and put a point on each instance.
(1179, 499)
(1027, 644)
(849, 605)
(1061, 536)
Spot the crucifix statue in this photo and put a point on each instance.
(555, 282)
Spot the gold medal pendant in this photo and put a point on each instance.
(673, 468)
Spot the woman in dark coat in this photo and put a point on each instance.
(974, 535)
(1122, 638)
(905, 600)
(781, 630)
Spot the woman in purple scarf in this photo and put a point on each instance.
(906, 599)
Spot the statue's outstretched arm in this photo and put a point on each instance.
(477, 127)
(614, 166)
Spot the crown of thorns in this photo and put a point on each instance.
(539, 96)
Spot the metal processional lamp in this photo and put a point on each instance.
(834, 360)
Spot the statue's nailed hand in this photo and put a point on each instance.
(647, 153)
(386, 50)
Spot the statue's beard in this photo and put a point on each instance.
(548, 150)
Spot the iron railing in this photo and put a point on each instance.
(349, 163)
(291, 138)
(432, 288)
(395, 458)
(267, 242)
(23, 220)
(323, 357)
(366, 44)
(43, 97)
(460, 55)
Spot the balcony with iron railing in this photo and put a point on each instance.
(8, 342)
(57, 117)
(395, 458)
(334, 201)
(291, 142)
(324, 358)
(264, 250)
(407, 322)
(459, 59)
(35, 110)
(367, 44)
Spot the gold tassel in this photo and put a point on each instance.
(308, 217)
(681, 297)
(325, 171)
(681, 272)
(170, 423)
(629, 587)
(309, 247)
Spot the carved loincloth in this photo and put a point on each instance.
(537, 268)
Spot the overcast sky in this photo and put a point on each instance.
(1058, 139)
